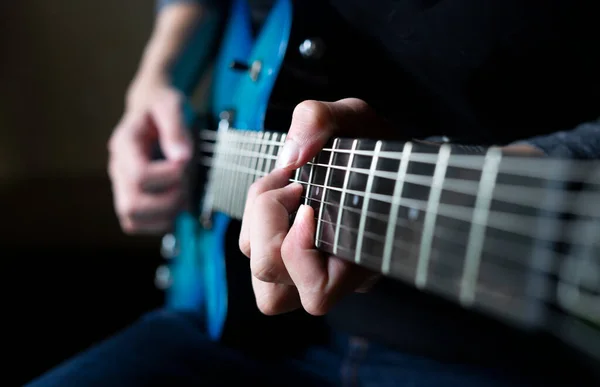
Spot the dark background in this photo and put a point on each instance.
(70, 277)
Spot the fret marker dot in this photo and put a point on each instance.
(413, 214)
(355, 200)
(317, 190)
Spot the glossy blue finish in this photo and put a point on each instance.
(186, 291)
(236, 44)
(252, 98)
(199, 271)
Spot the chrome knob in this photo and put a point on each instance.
(168, 247)
(162, 277)
(312, 48)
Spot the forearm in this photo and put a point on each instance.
(583, 142)
(174, 25)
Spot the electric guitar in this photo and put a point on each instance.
(515, 237)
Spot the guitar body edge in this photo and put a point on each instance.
(198, 273)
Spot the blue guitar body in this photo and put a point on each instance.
(198, 271)
(273, 73)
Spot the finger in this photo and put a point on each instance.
(160, 176)
(268, 228)
(273, 299)
(129, 146)
(274, 180)
(146, 228)
(143, 207)
(174, 138)
(320, 280)
(314, 123)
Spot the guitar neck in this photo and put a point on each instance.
(476, 226)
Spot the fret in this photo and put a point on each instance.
(308, 182)
(257, 151)
(479, 225)
(260, 168)
(578, 290)
(243, 162)
(431, 215)
(338, 224)
(396, 200)
(225, 177)
(252, 147)
(324, 192)
(221, 160)
(273, 150)
(233, 163)
(279, 146)
(365, 206)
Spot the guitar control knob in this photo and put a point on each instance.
(312, 48)
(253, 69)
(168, 247)
(239, 66)
(163, 278)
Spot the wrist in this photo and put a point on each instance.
(523, 149)
(145, 84)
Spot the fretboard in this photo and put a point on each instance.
(478, 226)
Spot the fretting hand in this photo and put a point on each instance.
(287, 271)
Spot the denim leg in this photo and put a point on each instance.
(167, 348)
(373, 365)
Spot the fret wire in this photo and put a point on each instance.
(262, 157)
(258, 147)
(226, 174)
(271, 160)
(324, 193)
(396, 200)
(336, 237)
(240, 176)
(481, 213)
(365, 206)
(513, 223)
(253, 161)
(309, 183)
(440, 281)
(430, 216)
(234, 181)
(221, 181)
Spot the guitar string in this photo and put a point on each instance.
(278, 143)
(256, 172)
(509, 222)
(551, 271)
(262, 173)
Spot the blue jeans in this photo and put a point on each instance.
(167, 348)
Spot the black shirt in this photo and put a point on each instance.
(490, 71)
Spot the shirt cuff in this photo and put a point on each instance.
(583, 142)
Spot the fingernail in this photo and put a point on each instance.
(301, 213)
(289, 154)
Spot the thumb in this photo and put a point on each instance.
(315, 122)
(174, 139)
